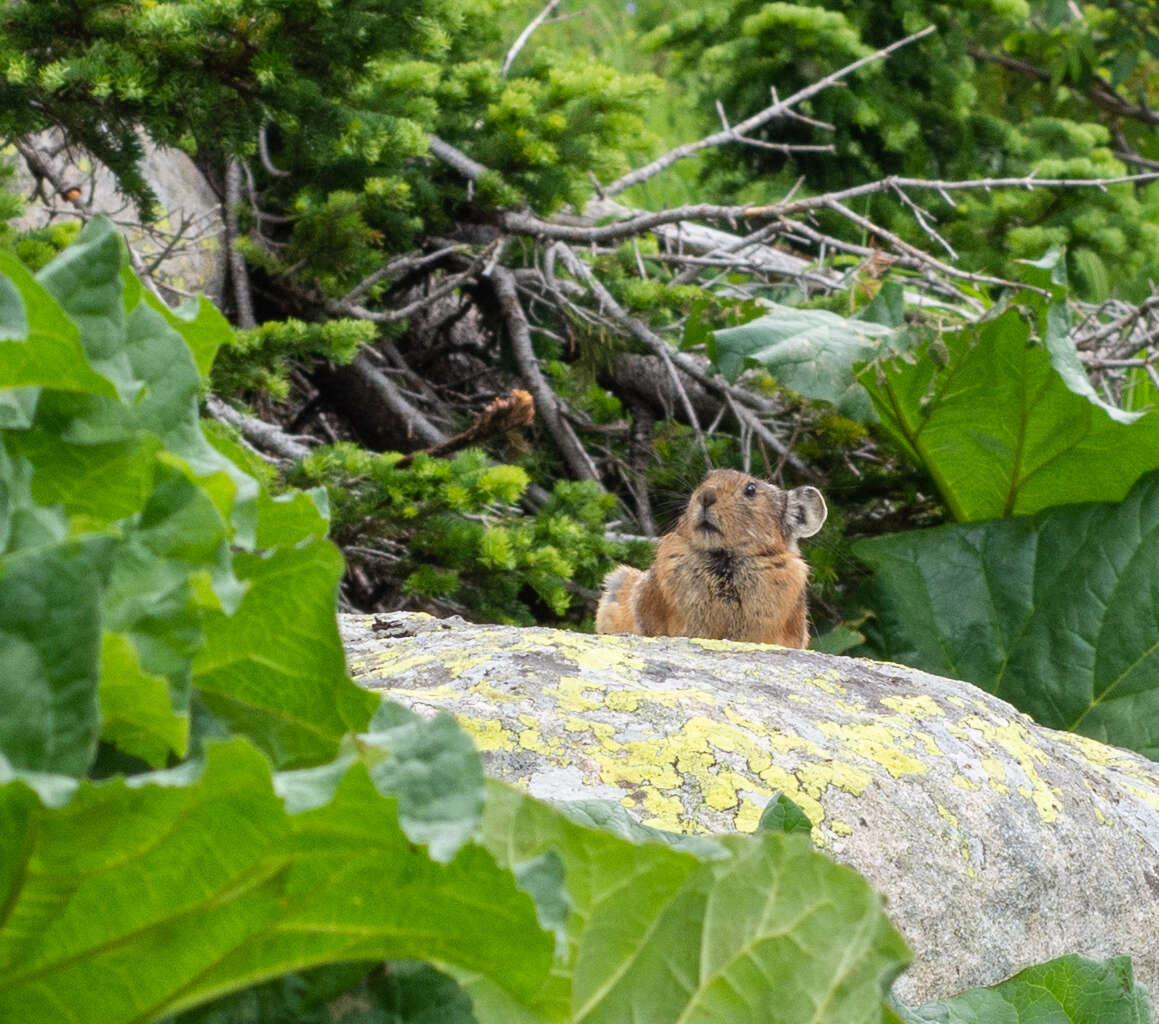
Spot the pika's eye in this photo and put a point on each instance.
(751, 490)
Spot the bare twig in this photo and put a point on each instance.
(1091, 341)
(776, 109)
(738, 397)
(913, 251)
(525, 223)
(921, 216)
(342, 307)
(44, 169)
(396, 268)
(264, 153)
(523, 36)
(456, 158)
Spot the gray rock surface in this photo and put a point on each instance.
(185, 242)
(996, 843)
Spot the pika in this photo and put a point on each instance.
(729, 570)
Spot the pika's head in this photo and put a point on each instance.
(735, 512)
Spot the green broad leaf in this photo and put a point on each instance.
(811, 351)
(1068, 990)
(152, 896)
(50, 643)
(101, 482)
(169, 408)
(153, 368)
(887, 307)
(433, 768)
(18, 408)
(171, 568)
(429, 765)
(85, 279)
(841, 638)
(1054, 320)
(137, 714)
(766, 928)
(782, 815)
(274, 670)
(23, 522)
(1000, 431)
(290, 518)
(39, 346)
(1057, 612)
(200, 325)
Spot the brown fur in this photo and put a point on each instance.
(730, 570)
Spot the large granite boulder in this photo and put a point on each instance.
(996, 843)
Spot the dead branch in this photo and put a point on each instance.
(1121, 325)
(526, 223)
(264, 435)
(264, 153)
(776, 109)
(507, 412)
(456, 158)
(546, 402)
(526, 34)
(343, 307)
(639, 330)
(398, 267)
(388, 393)
(238, 273)
(919, 255)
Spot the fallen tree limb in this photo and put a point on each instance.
(546, 402)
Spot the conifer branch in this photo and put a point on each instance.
(1099, 91)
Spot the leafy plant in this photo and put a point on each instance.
(157, 599)
(1002, 416)
(812, 351)
(451, 532)
(1068, 990)
(1054, 612)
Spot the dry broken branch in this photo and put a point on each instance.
(546, 402)
(263, 435)
(777, 109)
(507, 412)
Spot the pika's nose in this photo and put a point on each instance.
(707, 497)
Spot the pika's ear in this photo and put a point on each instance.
(805, 511)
